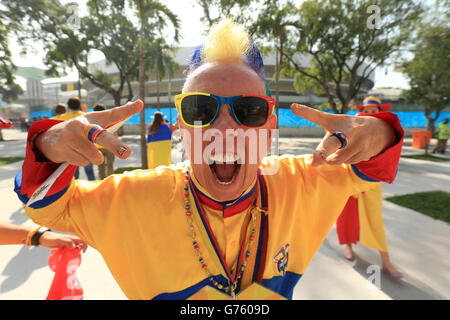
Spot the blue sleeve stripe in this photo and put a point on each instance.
(38, 204)
(283, 285)
(187, 292)
(362, 175)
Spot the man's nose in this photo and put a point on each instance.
(225, 119)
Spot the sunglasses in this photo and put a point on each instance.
(250, 111)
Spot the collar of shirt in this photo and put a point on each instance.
(228, 209)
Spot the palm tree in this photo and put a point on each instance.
(153, 16)
(164, 63)
(272, 24)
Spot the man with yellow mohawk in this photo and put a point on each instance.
(226, 220)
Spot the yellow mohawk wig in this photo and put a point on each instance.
(226, 40)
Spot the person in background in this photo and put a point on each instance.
(159, 142)
(107, 167)
(443, 136)
(38, 236)
(74, 105)
(60, 108)
(74, 110)
(361, 219)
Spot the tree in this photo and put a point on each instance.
(272, 26)
(214, 10)
(109, 24)
(345, 41)
(429, 72)
(9, 90)
(155, 15)
(163, 63)
(68, 42)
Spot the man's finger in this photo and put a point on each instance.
(110, 117)
(343, 155)
(113, 144)
(89, 151)
(329, 145)
(328, 121)
(355, 158)
(76, 158)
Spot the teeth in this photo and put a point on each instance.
(225, 183)
(226, 158)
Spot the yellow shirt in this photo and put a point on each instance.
(137, 221)
(68, 115)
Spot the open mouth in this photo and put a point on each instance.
(225, 168)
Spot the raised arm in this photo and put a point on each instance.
(52, 142)
(373, 142)
(68, 142)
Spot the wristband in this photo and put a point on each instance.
(37, 235)
(30, 234)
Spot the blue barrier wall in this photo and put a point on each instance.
(408, 119)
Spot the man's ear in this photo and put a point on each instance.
(273, 121)
(179, 126)
(272, 126)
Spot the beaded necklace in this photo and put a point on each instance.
(231, 288)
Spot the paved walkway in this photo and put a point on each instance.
(419, 246)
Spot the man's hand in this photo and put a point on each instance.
(56, 240)
(66, 141)
(366, 136)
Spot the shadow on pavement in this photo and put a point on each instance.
(401, 289)
(18, 217)
(22, 266)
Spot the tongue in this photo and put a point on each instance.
(224, 171)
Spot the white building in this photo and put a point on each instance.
(182, 56)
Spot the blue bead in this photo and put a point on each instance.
(185, 188)
(187, 207)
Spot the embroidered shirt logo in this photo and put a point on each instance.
(38, 192)
(281, 258)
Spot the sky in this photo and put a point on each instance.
(192, 35)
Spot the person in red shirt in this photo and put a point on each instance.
(361, 220)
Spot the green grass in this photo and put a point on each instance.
(427, 157)
(122, 170)
(7, 160)
(435, 204)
